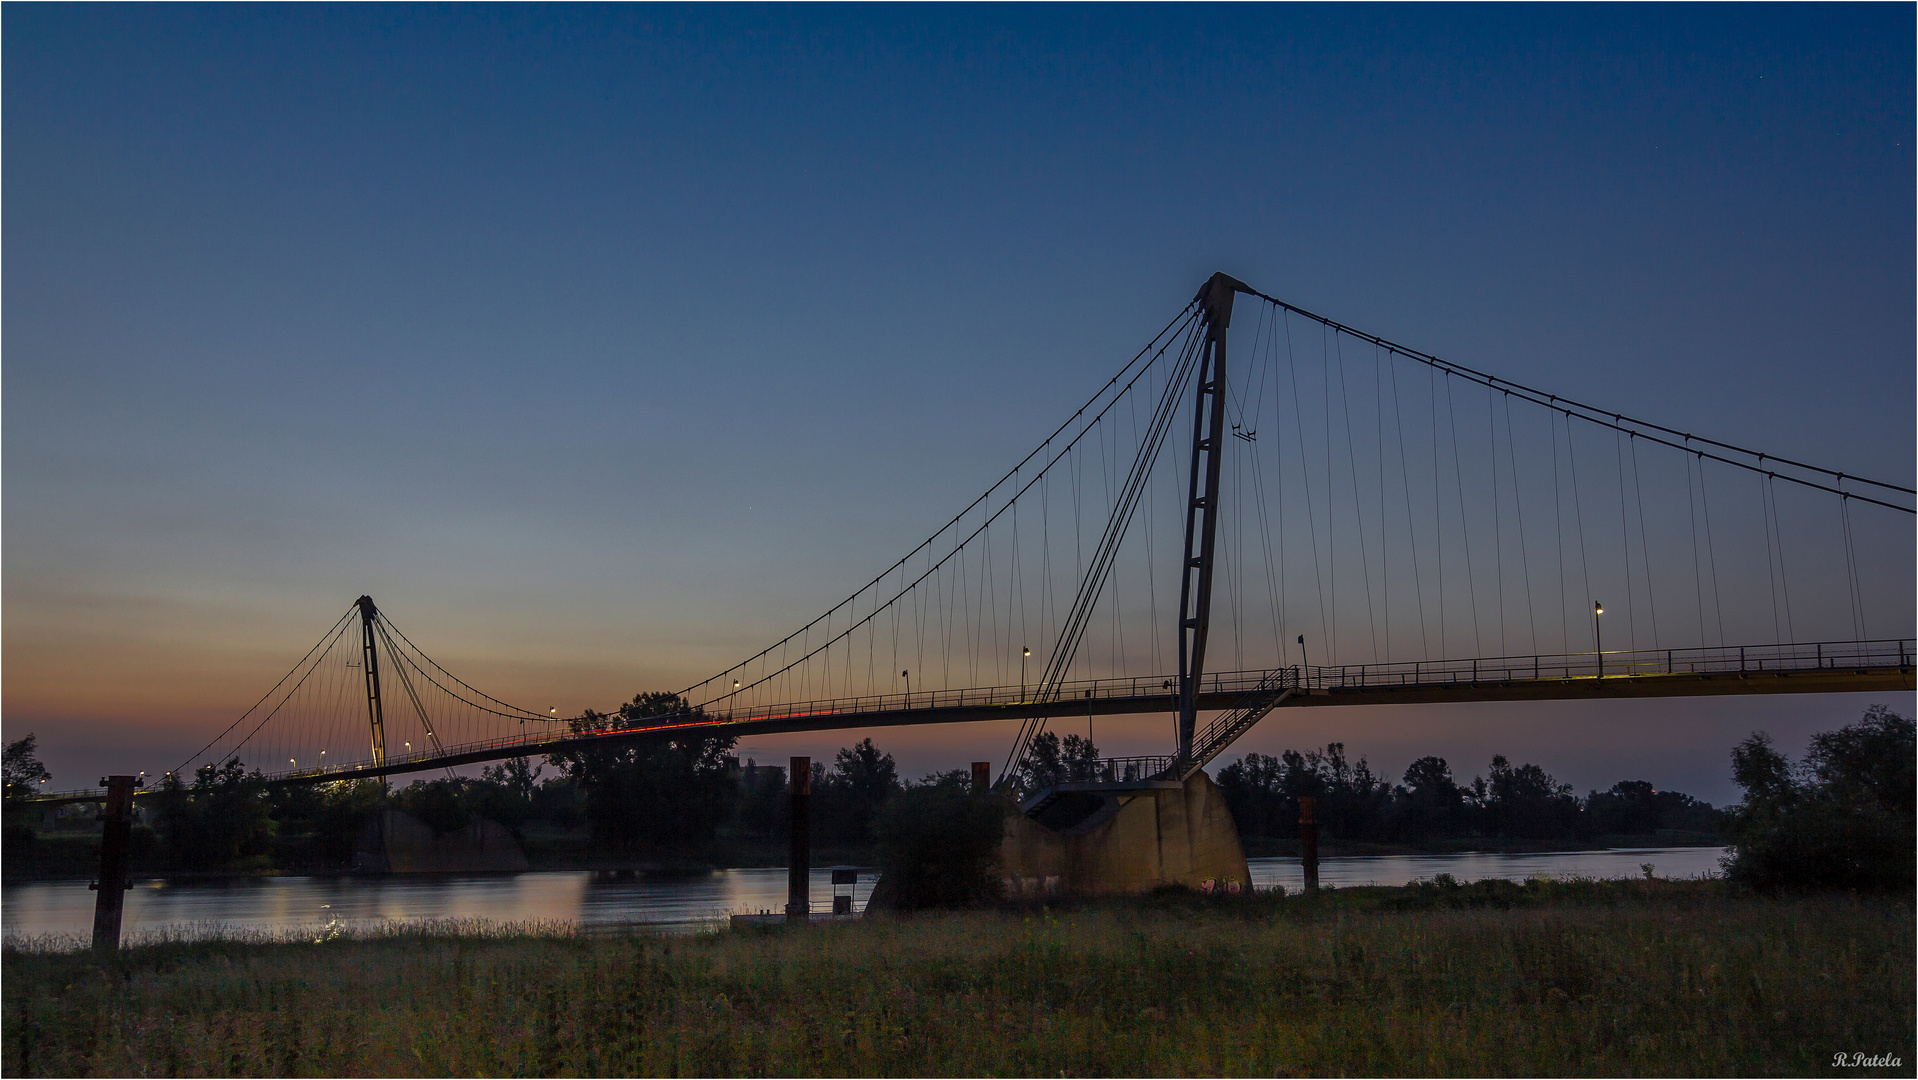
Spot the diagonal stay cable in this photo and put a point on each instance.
(1092, 582)
(326, 639)
(905, 588)
(515, 711)
(406, 681)
(1186, 313)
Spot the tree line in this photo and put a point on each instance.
(1429, 804)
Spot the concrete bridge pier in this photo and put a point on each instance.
(1108, 839)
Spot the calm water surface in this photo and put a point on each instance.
(1684, 862)
(286, 905)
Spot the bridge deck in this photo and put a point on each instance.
(1814, 668)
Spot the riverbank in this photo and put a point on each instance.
(1329, 848)
(1498, 978)
(73, 856)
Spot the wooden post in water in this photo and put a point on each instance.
(1309, 843)
(115, 839)
(799, 853)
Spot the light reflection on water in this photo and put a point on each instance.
(281, 905)
(1684, 862)
(276, 905)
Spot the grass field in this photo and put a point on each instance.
(1606, 978)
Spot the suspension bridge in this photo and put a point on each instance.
(1332, 518)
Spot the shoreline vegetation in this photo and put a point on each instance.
(685, 805)
(1435, 978)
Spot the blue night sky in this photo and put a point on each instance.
(604, 345)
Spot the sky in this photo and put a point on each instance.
(604, 345)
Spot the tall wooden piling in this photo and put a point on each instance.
(1308, 843)
(115, 840)
(799, 852)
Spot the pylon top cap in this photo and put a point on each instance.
(1216, 298)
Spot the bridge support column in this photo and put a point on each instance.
(115, 840)
(799, 849)
(1309, 843)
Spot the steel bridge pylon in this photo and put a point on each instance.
(1135, 832)
(1202, 504)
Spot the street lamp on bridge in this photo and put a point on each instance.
(1598, 641)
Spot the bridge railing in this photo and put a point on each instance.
(1010, 697)
(1115, 770)
(1717, 660)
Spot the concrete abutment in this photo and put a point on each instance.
(1128, 840)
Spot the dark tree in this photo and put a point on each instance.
(1677, 810)
(761, 810)
(1868, 765)
(1079, 756)
(846, 799)
(1263, 793)
(1630, 808)
(505, 793)
(442, 805)
(654, 791)
(1253, 789)
(1043, 767)
(1636, 808)
(1844, 819)
(1351, 801)
(1431, 804)
(518, 775)
(315, 826)
(1527, 803)
(222, 822)
(1051, 760)
(939, 844)
(21, 768)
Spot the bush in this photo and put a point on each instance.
(440, 804)
(1842, 818)
(938, 845)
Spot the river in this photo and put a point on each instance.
(60, 913)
